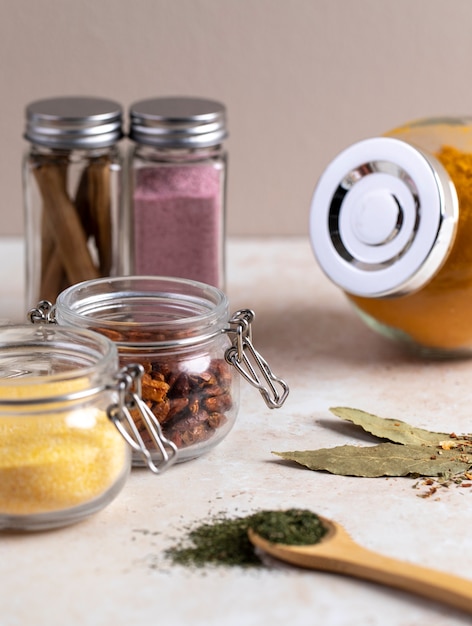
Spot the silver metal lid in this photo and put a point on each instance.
(383, 218)
(178, 122)
(74, 122)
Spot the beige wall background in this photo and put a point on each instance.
(302, 79)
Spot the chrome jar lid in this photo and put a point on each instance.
(74, 122)
(178, 122)
(383, 218)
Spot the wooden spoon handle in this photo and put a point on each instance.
(358, 561)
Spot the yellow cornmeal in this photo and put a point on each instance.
(36, 387)
(56, 460)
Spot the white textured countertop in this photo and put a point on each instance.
(109, 569)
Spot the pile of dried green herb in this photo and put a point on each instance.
(443, 459)
(224, 541)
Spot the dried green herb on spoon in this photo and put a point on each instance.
(294, 527)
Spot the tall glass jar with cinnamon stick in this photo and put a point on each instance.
(72, 179)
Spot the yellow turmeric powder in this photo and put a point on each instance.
(439, 315)
(58, 457)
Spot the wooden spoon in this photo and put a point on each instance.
(337, 552)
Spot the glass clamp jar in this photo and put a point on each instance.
(72, 181)
(391, 224)
(61, 458)
(177, 180)
(191, 350)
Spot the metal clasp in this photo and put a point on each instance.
(45, 311)
(129, 399)
(250, 364)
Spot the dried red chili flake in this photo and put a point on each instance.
(190, 403)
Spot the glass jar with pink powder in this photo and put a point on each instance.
(178, 168)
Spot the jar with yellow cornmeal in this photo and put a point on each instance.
(61, 458)
(391, 224)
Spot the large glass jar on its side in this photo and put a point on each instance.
(174, 328)
(177, 179)
(391, 224)
(72, 180)
(61, 458)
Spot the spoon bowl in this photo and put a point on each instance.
(337, 552)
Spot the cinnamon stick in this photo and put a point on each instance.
(65, 225)
(100, 211)
(82, 202)
(52, 271)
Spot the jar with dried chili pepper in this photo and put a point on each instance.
(72, 181)
(391, 224)
(191, 349)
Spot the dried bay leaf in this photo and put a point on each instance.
(385, 459)
(409, 451)
(391, 429)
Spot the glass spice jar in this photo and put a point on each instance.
(61, 396)
(72, 181)
(391, 224)
(181, 332)
(177, 179)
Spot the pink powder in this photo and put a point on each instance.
(178, 222)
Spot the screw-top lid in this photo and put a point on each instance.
(383, 218)
(74, 122)
(178, 122)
